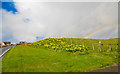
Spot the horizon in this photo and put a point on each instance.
(53, 37)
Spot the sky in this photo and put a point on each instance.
(31, 21)
(9, 6)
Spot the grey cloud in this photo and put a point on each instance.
(60, 19)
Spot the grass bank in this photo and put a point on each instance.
(29, 59)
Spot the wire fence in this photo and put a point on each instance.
(97, 45)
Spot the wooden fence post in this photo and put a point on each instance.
(93, 46)
(117, 46)
(99, 45)
(83, 43)
(110, 47)
(76, 43)
(71, 41)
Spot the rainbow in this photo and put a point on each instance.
(106, 27)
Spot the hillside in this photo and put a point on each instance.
(88, 44)
(79, 56)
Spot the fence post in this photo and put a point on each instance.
(76, 43)
(117, 46)
(99, 45)
(83, 43)
(71, 41)
(93, 46)
(110, 47)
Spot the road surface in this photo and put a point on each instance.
(4, 50)
(113, 68)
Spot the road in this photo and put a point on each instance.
(113, 68)
(4, 50)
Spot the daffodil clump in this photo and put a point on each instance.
(59, 44)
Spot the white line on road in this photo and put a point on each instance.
(5, 52)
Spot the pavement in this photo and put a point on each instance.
(4, 50)
(113, 68)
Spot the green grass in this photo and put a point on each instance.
(29, 59)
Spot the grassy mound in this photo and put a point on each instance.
(37, 58)
(59, 44)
